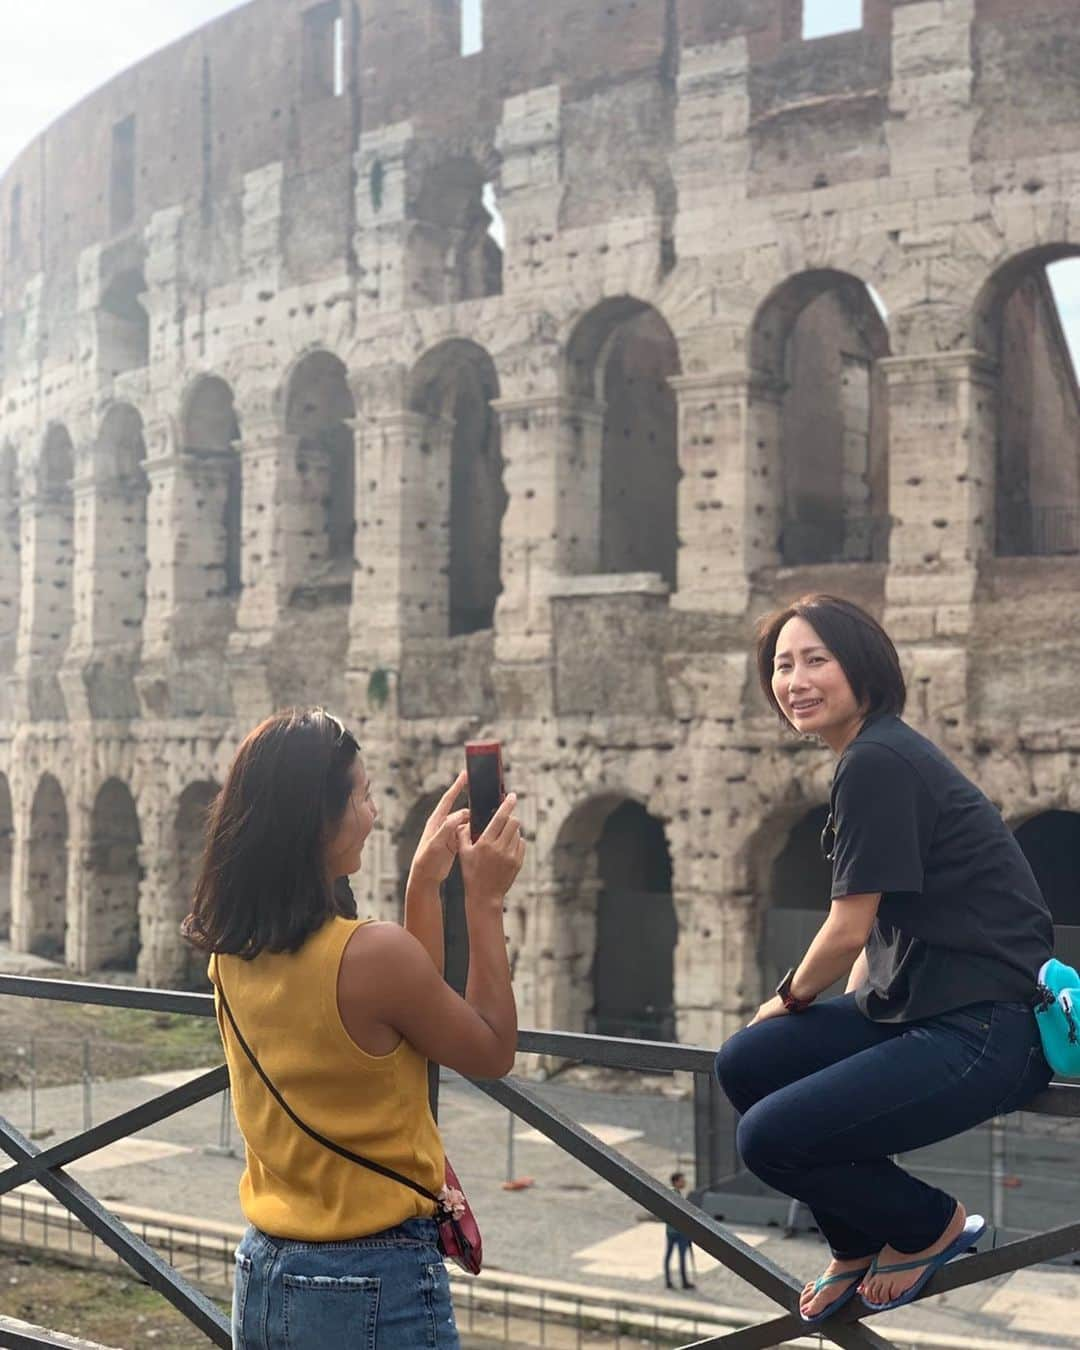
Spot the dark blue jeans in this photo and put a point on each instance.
(826, 1096)
(676, 1241)
(388, 1291)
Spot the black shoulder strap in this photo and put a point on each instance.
(314, 1134)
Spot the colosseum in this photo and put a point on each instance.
(493, 387)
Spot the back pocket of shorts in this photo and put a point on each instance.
(323, 1311)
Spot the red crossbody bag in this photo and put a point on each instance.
(459, 1233)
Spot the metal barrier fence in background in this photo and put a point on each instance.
(845, 1329)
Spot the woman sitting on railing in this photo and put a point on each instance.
(342, 1017)
(940, 921)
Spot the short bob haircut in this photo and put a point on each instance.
(863, 648)
(263, 884)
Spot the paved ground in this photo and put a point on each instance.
(567, 1226)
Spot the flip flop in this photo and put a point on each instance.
(823, 1282)
(972, 1231)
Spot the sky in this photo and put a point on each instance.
(51, 55)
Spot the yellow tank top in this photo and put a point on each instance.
(375, 1105)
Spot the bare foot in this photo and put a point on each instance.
(884, 1288)
(810, 1304)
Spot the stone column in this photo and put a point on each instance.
(381, 238)
(942, 430)
(10, 583)
(552, 449)
(729, 494)
(109, 575)
(163, 959)
(45, 621)
(400, 588)
(529, 139)
(278, 522)
(188, 614)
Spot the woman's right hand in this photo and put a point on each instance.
(490, 866)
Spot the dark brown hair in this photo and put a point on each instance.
(863, 648)
(263, 884)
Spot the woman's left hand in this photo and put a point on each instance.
(773, 1008)
(438, 846)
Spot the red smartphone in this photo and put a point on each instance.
(483, 762)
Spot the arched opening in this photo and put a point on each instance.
(188, 969)
(120, 542)
(46, 883)
(1019, 325)
(797, 883)
(613, 876)
(123, 325)
(319, 409)
(7, 846)
(1051, 844)
(820, 338)
(621, 358)
(209, 435)
(452, 253)
(454, 385)
(456, 970)
(48, 568)
(114, 875)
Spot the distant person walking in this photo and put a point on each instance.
(675, 1239)
(342, 1017)
(939, 920)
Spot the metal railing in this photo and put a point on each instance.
(46, 1166)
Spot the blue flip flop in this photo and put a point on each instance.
(972, 1231)
(823, 1282)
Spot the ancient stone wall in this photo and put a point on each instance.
(498, 394)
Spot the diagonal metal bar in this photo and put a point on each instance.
(198, 1309)
(1004, 1260)
(790, 1327)
(118, 1127)
(767, 1277)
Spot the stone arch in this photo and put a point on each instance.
(1051, 844)
(113, 878)
(319, 410)
(1037, 468)
(452, 891)
(188, 968)
(7, 848)
(454, 385)
(620, 359)
(612, 873)
(209, 431)
(819, 339)
(48, 567)
(451, 252)
(47, 879)
(120, 537)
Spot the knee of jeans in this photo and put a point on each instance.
(733, 1064)
(760, 1139)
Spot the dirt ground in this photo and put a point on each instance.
(112, 1309)
(55, 1040)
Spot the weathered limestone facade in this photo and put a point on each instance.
(280, 421)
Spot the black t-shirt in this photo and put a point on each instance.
(961, 918)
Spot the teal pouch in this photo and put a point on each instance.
(1057, 1015)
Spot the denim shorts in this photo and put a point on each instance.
(388, 1291)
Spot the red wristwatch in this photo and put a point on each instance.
(787, 998)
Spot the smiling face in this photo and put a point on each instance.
(357, 821)
(811, 688)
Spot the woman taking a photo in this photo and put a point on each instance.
(939, 920)
(343, 1017)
